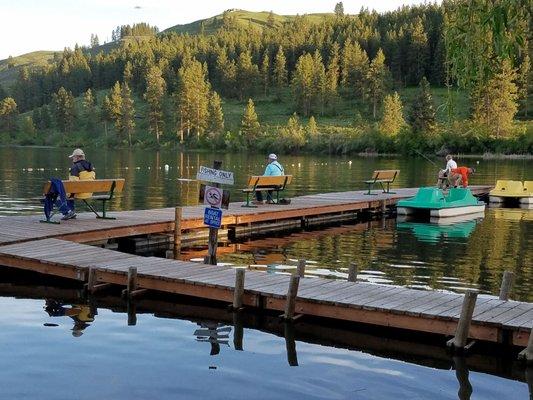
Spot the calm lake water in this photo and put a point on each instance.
(467, 255)
(163, 358)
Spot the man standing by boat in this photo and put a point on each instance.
(445, 174)
(460, 176)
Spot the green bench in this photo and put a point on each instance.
(382, 177)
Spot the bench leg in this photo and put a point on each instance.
(388, 189)
(248, 201)
(104, 216)
(370, 186)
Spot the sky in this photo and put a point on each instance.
(31, 25)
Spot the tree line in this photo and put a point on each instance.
(182, 78)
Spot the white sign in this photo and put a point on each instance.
(215, 175)
(213, 196)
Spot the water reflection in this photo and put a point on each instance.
(215, 333)
(81, 314)
(441, 229)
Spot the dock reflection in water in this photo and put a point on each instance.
(367, 360)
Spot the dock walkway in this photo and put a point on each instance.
(426, 311)
(86, 228)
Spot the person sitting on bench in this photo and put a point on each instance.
(81, 170)
(273, 168)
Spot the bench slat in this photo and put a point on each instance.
(261, 180)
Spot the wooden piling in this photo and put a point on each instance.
(290, 344)
(238, 331)
(300, 270)
(177, 231)
(132, 281)
(461, 373)
(527, 353)
(91, 279)
(291, 297)
(463, 327)
(352, 272)
(239, 288)
(507, 284)
(131, 309)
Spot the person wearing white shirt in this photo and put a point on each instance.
(443, 180)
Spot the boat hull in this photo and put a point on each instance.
(455, 211)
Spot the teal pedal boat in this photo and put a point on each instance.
(437, 203)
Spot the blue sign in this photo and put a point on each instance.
(213, 217)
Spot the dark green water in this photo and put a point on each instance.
(467, 255)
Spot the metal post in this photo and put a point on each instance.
(211, 257)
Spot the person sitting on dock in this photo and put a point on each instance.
(273, 168)
(443, 180)
(81, 169)
(460, 176)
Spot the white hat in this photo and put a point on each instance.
(77, 152)
(272, 156)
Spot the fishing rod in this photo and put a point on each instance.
(425, 157)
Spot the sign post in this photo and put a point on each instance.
(214, 215)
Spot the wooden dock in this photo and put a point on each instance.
(85, 228)
(58, 250)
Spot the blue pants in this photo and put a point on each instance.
(65, 207)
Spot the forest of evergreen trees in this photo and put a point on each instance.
(156, 89)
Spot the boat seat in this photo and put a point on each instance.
(528, 188)
(507, 188)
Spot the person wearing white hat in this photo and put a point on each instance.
(273, 168)
(83, 170)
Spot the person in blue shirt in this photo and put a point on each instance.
(273, 168)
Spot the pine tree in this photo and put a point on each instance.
(106, 114)
(127, 117)
(250, 127)
(303, 84)
(64, 110)
(114, 106)
(215, 123)
(247, 75)
(418, 52)
(332, 77)
(3, 93)
(89, 110)
(127, 76)
(94, 41)
(265, 72)
(155, 92)
(339, 9)
(378, 79)
(422, 113)
(319, 84)
(293, 134)
(523, 81)
(8, 115)
(279, 73)
(27, 127)
(392, 121)
(354, 69)
(496, 104)
(192, 98)
(312, 128)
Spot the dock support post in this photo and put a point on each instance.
(461, 373)
(507, 284)
(300, 271)
(91, 280)
(177, 232)
(238, 332)
(529, 380)
(132, 313)
(463, 327)
(291, 298)
(352, 272)
(527, 353)
(239, 289)
(132, 280)
(290, 344)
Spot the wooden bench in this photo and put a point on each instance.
(99, 190)
(274, 183)
(384, 176)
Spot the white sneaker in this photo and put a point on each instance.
(70, 215)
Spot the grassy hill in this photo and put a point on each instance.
(242, 17)
(9, 68)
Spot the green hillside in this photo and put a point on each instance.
(10, 66)
(241, 17)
